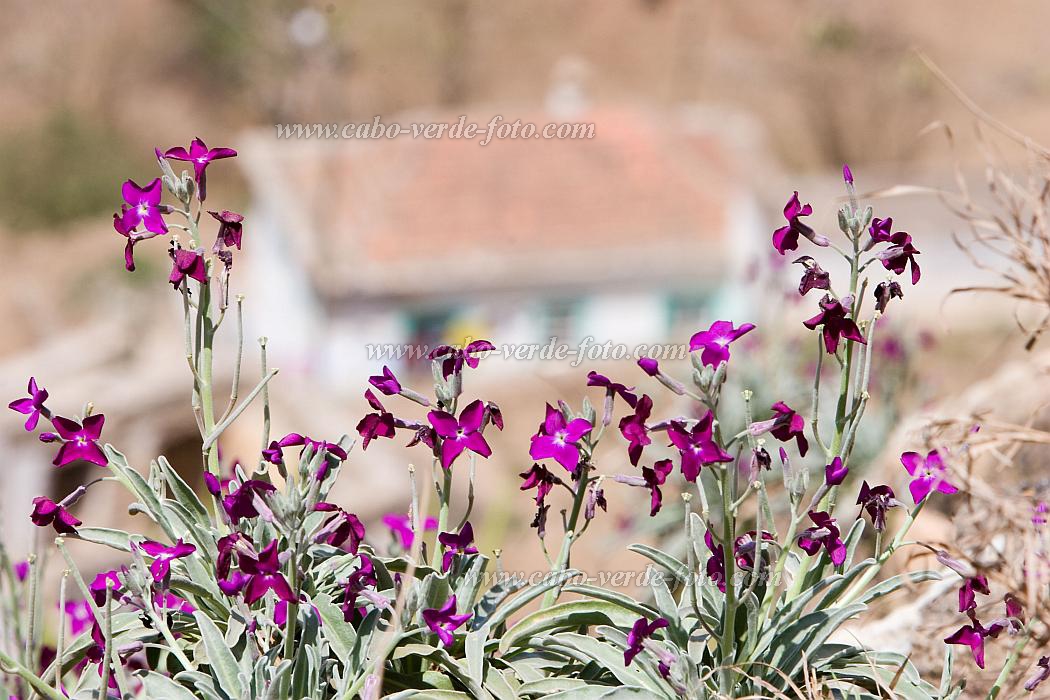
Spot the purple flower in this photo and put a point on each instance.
(378, 424)
(880, 230)
(649, 366)
(169, 602)
(835, 473)
(78, 612)
(785, 238)
(386, 382)
(595, 500)
(612, 388)
(833, 317)
(826, 534)
(32, 406)
(715, 341)
(275, 452)
(241, 502)
(264, 574)
(814, 277)
(401, 525)
(360, 578)
(696, 445)
(231, 228)
(200, 156)
(847, 174)
(22, 569)
(634, 430)
(540, 478)
(144, 207)
(785, 425)
(972, 585)
(746, 546)
(187, 263)
(877, 500)
(973, 636)
(129, 233)
(79, 441)
(444, 621)
(898, 256)
(641, 630)
(452, 359)
(716, 563)
(462, 434)
(339, 527)
(885, 292)
(454, 544)
(99, 584)
(559, 439)
(164, 555)
(1042, 672)
(930, 475)
(47, 512)
(652, 479)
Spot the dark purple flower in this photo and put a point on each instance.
(785, 238)
(103, 580)
(241, 502)
(595, 500)
(78, 612)
(634, 430)
(461, 543)
(613, 388)
(386, 382)
(652, 479)
(339, 527)
(462, 434)
(826, 534)
(877, 500)
(32, 406)
(746, 546)
(187, 263)
(897, 257)
(1042, 672)
(494, 415)
(144, 207)
(835, 473)
(814, 277)
(452, 359)
(786, 425)
(973, 636)
(716, 563)
(884, 292)
(930, 475)
(540, 478)
(881, 230)
(163, 555)
(47, 512)
(847, 174)
(833, 317)
(715, 341)
(444, 621)
(649, 366)
(231, 228)
(972, 585)
(378, 424)
(696, 445)
(652, 368)
(641, 630)
(559, 439)
(79, 441)
(361, 578)
(200, 156)
(265, 575)
(401, 525)
(275, 453)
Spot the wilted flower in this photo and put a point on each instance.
(361, 578)
(696, 445)
(877, 500)
(634, 430)
(200, 156)
(884, 292)
(462, 434)
(613, 388)
(595, 500)
(815, 277)
(231, 228)
(79, 441)
(163, 555)
(461, 543)
(444, 621)
(373, 425)
(897, 257)
(785, 426)
(540, 478)
(836, 472)
(144, 207)
(401, 525)
(715, 341)
(835, 324)
(930, 475)
(452, 359)
(386, 383)
(641, 631)
(559, 439)
(826, 534)
(785, 238)
(187, 263)
(47, 512)
(241, 503)
(716, 563)
(339, 527)
(32, 406)
(652, 478)
(1042, 672)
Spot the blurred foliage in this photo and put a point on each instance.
(39, 188)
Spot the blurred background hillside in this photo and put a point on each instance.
(707, 115)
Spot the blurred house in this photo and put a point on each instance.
(631, 236)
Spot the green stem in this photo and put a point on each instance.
(9, 665)
(727, 677)
(1015, 654)
(570, 534)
